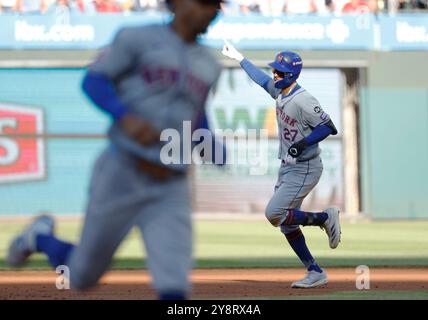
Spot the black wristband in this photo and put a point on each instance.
(297, 148)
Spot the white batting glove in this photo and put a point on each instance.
(289, 160)
(230, 51)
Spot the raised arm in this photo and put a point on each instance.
(257, 75)
(261, 78)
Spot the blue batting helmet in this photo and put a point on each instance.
(291, 64)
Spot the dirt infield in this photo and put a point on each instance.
(208, 284)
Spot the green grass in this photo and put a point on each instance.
(373, 295)
(357, 295)
(257, 244)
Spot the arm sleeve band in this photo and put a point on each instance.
(101, 92)
(319, 133)
(257, 75)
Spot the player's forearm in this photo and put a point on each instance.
(257, 75)
(218, 149)
(320, 133)
(100, 90)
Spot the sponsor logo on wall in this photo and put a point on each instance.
(59, 32)
(22, 150)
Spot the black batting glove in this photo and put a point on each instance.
(297, 148)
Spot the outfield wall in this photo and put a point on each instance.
(391, 107)
(50, 168)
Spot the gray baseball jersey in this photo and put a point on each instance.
(159, 77)
(165, 81)
(297, 114)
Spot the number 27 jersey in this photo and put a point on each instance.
(297, 114)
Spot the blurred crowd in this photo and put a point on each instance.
(264, 7)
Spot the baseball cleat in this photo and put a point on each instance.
(332, 227)
(312, 279)
(24, 244)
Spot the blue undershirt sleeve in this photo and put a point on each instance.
(99, 88)
(257, 75)
(261, 78)
(318, 134)
(217, 146)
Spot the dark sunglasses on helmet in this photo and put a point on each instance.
(279, 73)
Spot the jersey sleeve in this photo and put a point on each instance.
(116, 59)
(270, 88)
(261, 78)
(313, 114)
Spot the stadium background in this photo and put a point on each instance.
(368, 71)
(366, 89)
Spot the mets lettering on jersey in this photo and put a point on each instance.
(168, 77)
(285, 118)
(21, 152)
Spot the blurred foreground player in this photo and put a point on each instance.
(151, 78)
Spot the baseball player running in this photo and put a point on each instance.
(302, 124)
(149, 79)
